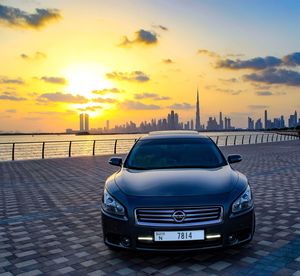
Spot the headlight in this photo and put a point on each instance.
(244, 202)
(111, 205)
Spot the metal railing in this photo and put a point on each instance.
(53, 149)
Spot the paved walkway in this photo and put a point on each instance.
(50, 220)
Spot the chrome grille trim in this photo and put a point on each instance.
(194, 216)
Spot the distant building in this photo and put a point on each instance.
(293, 120)
(228, 123)
(212, 124)
(107, 125)
(258, 125)
(250, 123)
(69, 131)
(198, 125)
(81, 124)
(221, 125)
(86, 124)
(266, 120)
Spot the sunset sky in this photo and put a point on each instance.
(123, 60)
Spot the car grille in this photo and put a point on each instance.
(179, 216)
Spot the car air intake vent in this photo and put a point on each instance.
(186, 216)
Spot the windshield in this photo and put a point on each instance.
(174, 153)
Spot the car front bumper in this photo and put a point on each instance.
(234, 230)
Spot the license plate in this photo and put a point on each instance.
(179, 235)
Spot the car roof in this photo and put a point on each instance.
(173, 134)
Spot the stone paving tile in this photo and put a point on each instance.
(50, 220)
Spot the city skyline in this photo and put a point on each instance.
(173, 122)
(63, 59)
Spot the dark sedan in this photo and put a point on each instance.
(176, 191)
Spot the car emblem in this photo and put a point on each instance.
(178, 216)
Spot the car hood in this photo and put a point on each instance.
(176, 182)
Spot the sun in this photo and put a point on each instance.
(84, 78)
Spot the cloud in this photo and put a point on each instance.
(14, 17)
(168, 61)
(10, 96)
(257, 106)
(90, 108)
(183, 106)
(208, 53)
(235, 55)
(55, 80)
(232, 80)
(5, 80)
(291, 59)
(135, 105)
(67, 112)
(141, 37)
(162, 98)
(61, 97)
(269, 93)
(11, 110)
(260, 63)
(153, 96)
(230, 91)
(107, 90)
(137, 76)
(275, 76)
(35, 56)
(32, 118)
(161, 27)
(104, 100)
(257, 63)
(145, 96)
(264, 93)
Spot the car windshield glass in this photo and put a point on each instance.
(174, 153)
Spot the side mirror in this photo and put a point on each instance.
(234, 158)
(115, 161)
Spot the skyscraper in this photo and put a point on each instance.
(81, 122)
(198, 126)
(221, 123)
(84, 122)
(266, 119)
(86, 125)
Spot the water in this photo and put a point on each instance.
(58, 145)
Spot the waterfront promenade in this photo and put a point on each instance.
(50, 220)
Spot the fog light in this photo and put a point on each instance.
(213, 236)
(145, 238)
(125, 241)
(231, 238)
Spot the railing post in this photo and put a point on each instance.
(13, 152)
(234, 140)
(273, 137)
(70, 148)
(250, 139)
(226, 140)
(277, 137)
(115, 147)
(243, 139)
(268, 138)
(256, 138)
(262, 138)
(94, 144)
(217, 140)
(43, 150)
